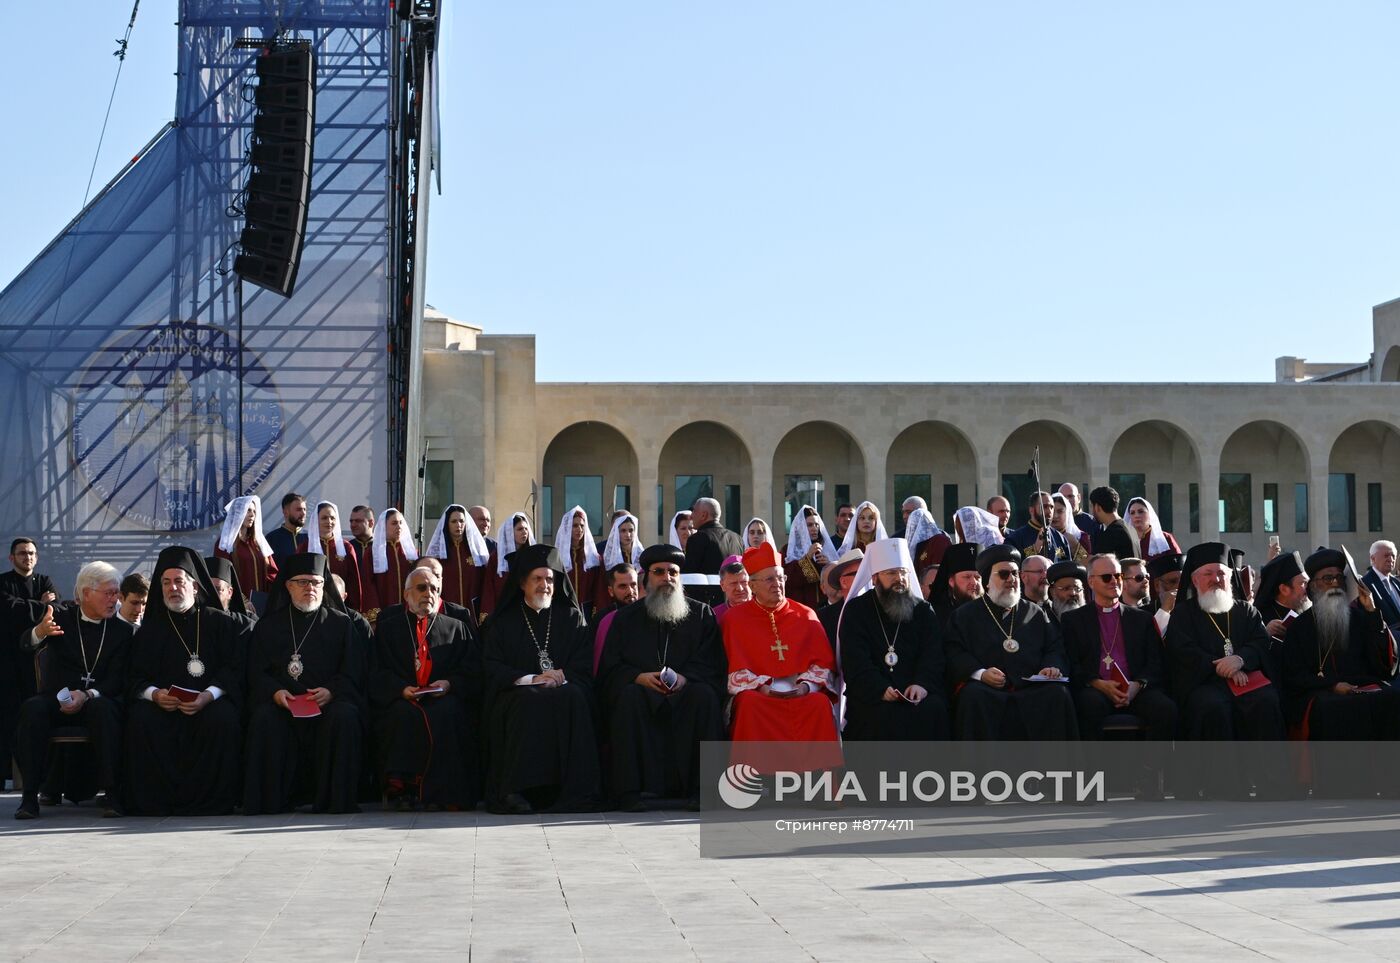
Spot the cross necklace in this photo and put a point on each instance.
(82, 649)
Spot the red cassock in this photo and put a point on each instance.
(763, 645)
(256, 572)
(348, 568)
(492, 584)
(369, 596)
(388, 585)
(461, 576)
(585, 582)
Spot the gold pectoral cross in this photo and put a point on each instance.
(1107, 661)
(779, 648)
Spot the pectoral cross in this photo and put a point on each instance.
(87, 680)
(779, 648)
(1107, 661)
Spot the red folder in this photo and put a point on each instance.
(303, 707)
(183, 694)
(1256, 680)
(1116, 676)
(1373, 687)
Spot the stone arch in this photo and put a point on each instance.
(817, 449)
(943, 453)
(1149, 455)
(587, 450)
(704, 448)
(1255, 455)
(1364, 455)
(1390, 367)
(1063, 458)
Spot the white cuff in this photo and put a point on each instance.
(32, 640)
(93, 694)
(977, 676)
(150, 690)
(215, 691)
(525, 680)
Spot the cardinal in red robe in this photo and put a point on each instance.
(780, 666)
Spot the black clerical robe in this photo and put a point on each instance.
(1139, 649)
(868, 635)
(708, 547)
(655, 737)
(427, 746)
(91, 656)
(178, 764)
(1020, 642)
(318, 760)
(20, 611)
(540, 741)
(1273, 653)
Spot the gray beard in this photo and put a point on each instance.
(180, 606)
(1060, 608)
(307, 607)
(1007, 598)
(538, 602)
(1332, 614)
(667, 604)
(898, 605)
(1303, 605)
(1217, 601)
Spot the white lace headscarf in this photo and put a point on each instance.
(381, 539)
(313, 532)
(505, 540)
(921, 527)
(979, 525)
(800, 540)
(476, 542)
(234, 513)
(849, 542)
(564, 541)
(612, 551)
(674, 538)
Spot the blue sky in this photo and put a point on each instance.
(779, 191)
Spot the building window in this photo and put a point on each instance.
(1016, 488)
(1270, 507)
(910, 486)
(1129, 486)
(1236, 502)
(546, 520)
(1300, 507)
(586, 491)
(437, 487)
(691, 487)
(799, 490)
(731, 506)
(622, 498)
(842, 494)
(950, 505)
(1193, 506)
(1374, 521)
(1165, 514)
(1341, 502)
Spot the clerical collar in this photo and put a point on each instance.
(83, 615)
(1112, 608)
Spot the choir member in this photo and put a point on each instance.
(866, 528)
(340, 554)
(1146, 529)
(622, 547)
(464, 554)
(583, 565)
(241, 541)
(807, 552)
(515, 533)
(927, 542)
(395, 556)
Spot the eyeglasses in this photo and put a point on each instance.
(1139, 578)
(1337, 579)
(1110, 577)
(308, 582)
(660, 572)
(1007, 576)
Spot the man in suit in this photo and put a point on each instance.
(1385, 587)
(1116, 663)
(709, 545)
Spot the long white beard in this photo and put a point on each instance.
(1332, 612)
(306, 606)
(666, 603)
(539, 601)
(1008, 597)
(1217, 601)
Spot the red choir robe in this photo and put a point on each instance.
(369, 594)
(929, 552)
(388, 585)
(586, 583)
(1146, 540)
(256, 572)
(348, 568)
(804, 581)
(461, 576)
(763, 645)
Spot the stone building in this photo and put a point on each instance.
(1311, 457)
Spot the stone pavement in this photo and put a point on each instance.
(612, 887)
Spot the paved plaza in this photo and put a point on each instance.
(612, 887)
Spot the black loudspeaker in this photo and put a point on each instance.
(279, 187)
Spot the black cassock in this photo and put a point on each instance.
(655, 738)
(20, 611)
(866, 636)
(178, 764)
(318, 760)
(107, 645)
(1311, 669)
(977, 638)
(1210, 712)
(426, 742)
(540, 742)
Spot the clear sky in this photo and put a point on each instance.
(803, 190)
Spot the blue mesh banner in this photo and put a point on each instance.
(119, 348)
